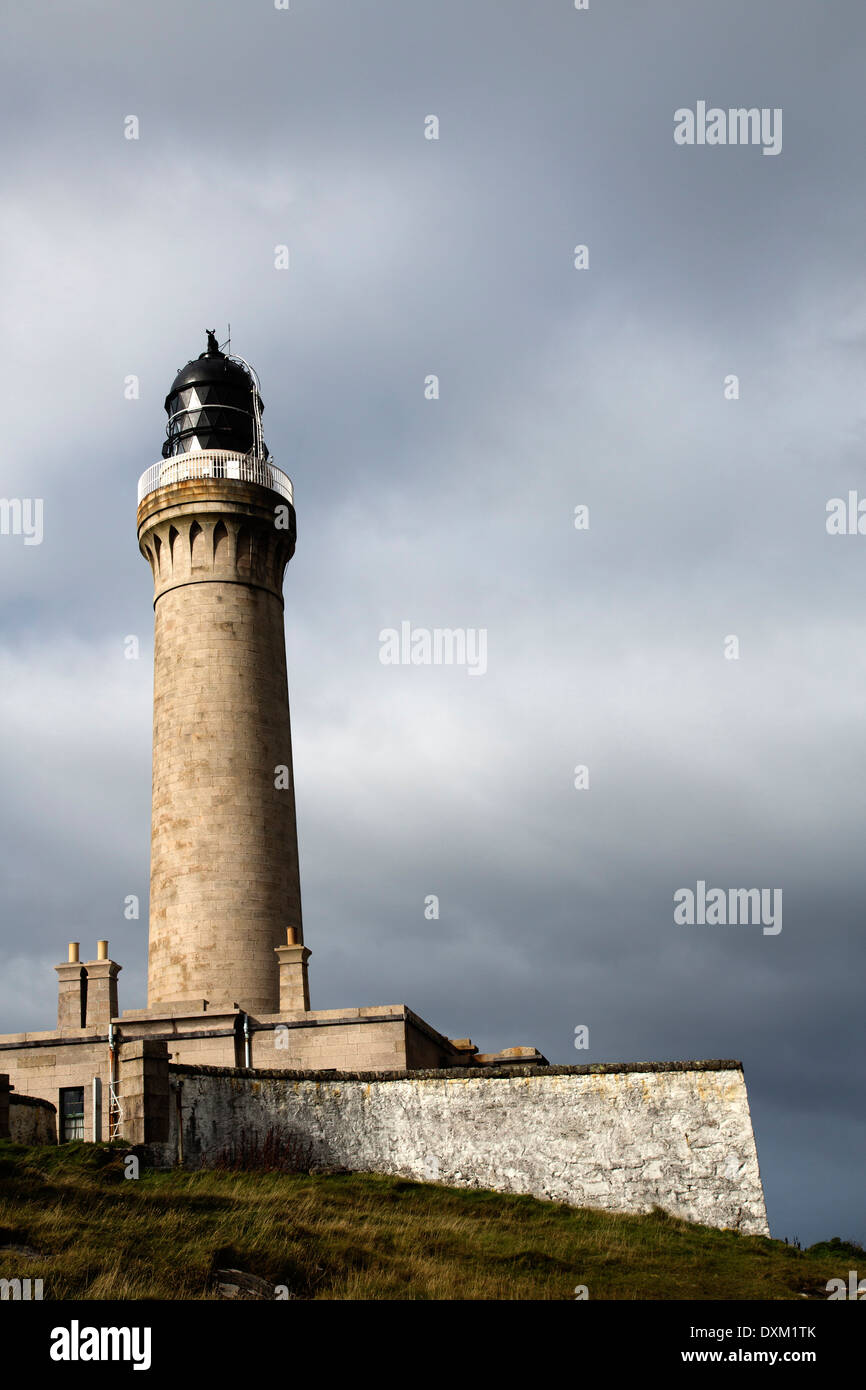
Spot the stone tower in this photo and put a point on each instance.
(216, 523)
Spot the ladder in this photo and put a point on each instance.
(115, 1111)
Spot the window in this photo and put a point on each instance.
(71, 1113)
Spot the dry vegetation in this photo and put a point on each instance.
(70, 1217)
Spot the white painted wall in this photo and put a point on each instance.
(619, 1140)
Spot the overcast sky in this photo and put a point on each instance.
(559, 387)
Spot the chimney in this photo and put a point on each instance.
(101, 987)
(294, 987)
(71, 991)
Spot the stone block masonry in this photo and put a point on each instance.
(620, 1137)
(144, 1091)
(32, 1120)
(25, 1119)
(225, 887)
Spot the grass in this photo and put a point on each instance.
(68, 1216)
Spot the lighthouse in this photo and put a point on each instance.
(216, 524)
(227, 983)
(228, 1054)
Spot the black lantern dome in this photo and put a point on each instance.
(214, 403)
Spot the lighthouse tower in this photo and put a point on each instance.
(227, 965)
(216, 524)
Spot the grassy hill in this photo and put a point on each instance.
(70, 1217)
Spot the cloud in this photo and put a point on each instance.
(557, 387)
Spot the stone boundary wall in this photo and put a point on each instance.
(503, 1070)
(32, 1120)
(620, 1137)
(26, 1119)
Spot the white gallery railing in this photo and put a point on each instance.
(215, 463)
